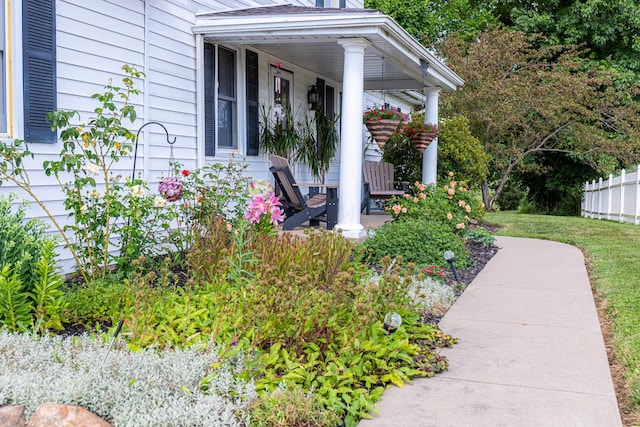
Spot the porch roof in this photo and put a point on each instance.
(308, 37)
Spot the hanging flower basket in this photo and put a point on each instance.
(171, 188)
(382, 122)
(422, 140)
(420, 134)
(381, 130)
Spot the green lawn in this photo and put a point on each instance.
(613, 249)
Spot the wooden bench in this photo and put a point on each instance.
(379, 182)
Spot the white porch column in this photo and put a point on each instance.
(350, 190)
(430, 156)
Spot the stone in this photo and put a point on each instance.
(57, 415)
(12, 416)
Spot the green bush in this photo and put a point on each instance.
(293, 407)
(451, 204)
(418, 241)
(21, 241)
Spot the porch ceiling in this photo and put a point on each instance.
(308, 37)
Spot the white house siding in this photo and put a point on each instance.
(96, 37)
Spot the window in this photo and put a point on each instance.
(3, 80)
(227, 102)
(221, 99)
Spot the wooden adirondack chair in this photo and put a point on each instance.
(298, 209)
(378, 177)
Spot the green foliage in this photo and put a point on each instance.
(512, 195)
(460, 152)
(318, 143)
(515, 116)
(406, 160)
(431, 20)
(301, 312)
(21, 241)
(47, 295)
(15, 305)
(291, 407)
(555, 182)
(278, 135)
(478, 235)
(417, 241)
(452, 205)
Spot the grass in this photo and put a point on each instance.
(612, 251)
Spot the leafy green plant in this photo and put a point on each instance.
(15, 305)
(318, 143)
(278, 135)
(452, 205)
(291, 407)
(21, 240)
(479, 235)
(418, 241)
(47, 295)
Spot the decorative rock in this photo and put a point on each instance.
(12, 416)
(57, 415)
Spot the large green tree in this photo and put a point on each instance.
(524, 97)
(609, 28)
(431, 20)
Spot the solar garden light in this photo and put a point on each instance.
(450, 258)
(392, 321)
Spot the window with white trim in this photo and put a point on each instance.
(221, 99)
(227, 99)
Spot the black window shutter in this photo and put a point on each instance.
(253, 120)
(39, 68)
(209, 100)
(330, 102)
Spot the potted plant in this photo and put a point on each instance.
(382, 122)
(319, 142)
(420, 133)
(278, 136)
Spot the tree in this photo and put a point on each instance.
(524, 97)
(431, 20)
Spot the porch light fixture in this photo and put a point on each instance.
(312, 97)
(392, 321)
(450, 258)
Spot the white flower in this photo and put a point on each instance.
(95, 194)
(159, 202)
(137, 191)
(93, 169)
(83, 209)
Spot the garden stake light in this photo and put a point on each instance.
(115, 335)
(392, 321)
(450, 258)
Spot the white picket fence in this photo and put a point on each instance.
(616, 199)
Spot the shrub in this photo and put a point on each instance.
(451, 204)
(291, 407)
(146, 388)
(21, 241)
(417, 241)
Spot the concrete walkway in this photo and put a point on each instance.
(531, 351)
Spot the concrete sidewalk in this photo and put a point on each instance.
(531, 351)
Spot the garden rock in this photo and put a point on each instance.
(57, 415)
(12, 416)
